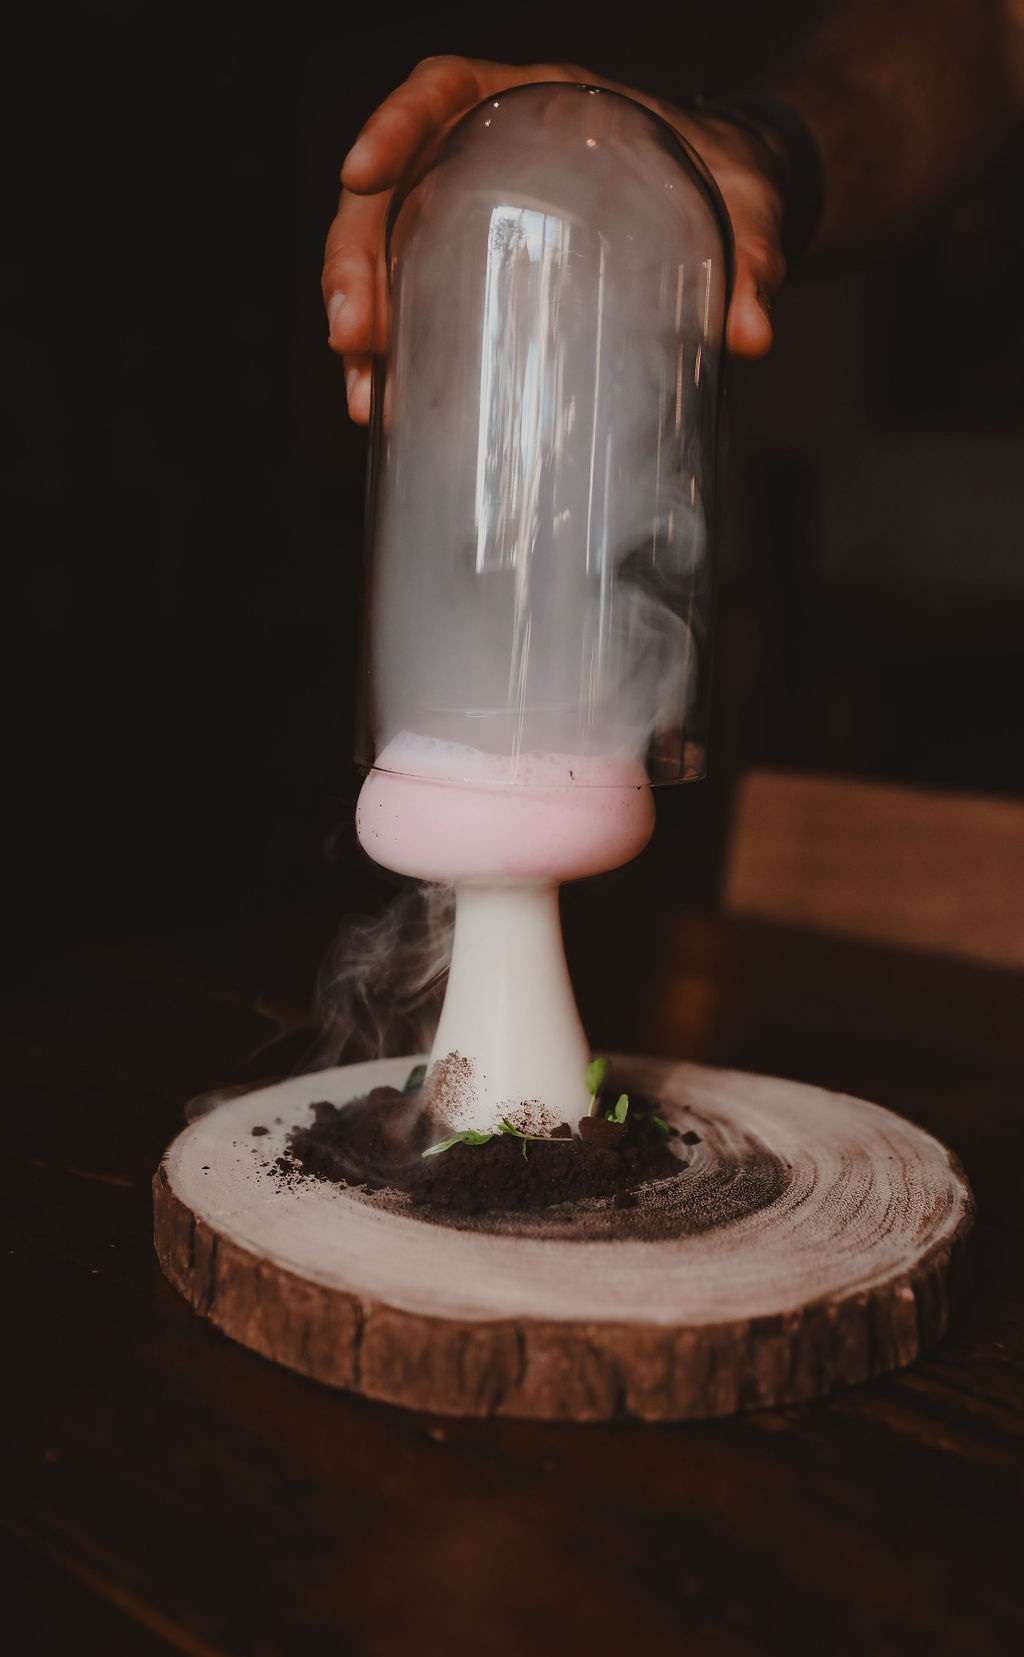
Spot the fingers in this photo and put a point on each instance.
(755, 211)
(421, 110)
(738, 164)
(435, 94)
(417, 113)
(350, 271)
(760, 269)
(415, 116)
(352, 283)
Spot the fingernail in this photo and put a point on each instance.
(352, 380)
(334, 305)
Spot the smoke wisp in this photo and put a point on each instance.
(380, 990)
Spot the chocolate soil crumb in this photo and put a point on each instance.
(379, 1141)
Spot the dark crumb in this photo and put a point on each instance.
(257, 1132)
(378, 1141)
(597, 1130)
(690, 1138)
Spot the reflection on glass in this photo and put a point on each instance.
(544, 448)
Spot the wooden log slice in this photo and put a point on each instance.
(813, 1241)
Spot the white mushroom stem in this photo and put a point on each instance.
(509, 1015)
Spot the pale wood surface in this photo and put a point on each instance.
(929, 870)
(813, 1240)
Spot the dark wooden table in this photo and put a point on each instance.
(164, 1489)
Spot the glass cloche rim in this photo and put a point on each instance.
(688, 773)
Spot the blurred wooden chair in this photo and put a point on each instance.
(932, 871)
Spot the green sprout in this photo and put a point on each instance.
(596, 1076)
(468, 1136)
(415, 1078)
(507, 1127)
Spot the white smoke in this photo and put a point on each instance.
(380, 990)
(541, 528)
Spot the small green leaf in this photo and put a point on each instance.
(659, 1122)
(415, 1078)
(597, 1074)
(468, 1136)
(621, 1110)
(442, 1145)
(506, 1127)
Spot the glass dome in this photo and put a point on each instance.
(543, 460)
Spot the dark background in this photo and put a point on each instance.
(183, 492)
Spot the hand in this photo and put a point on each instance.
(415, 118)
